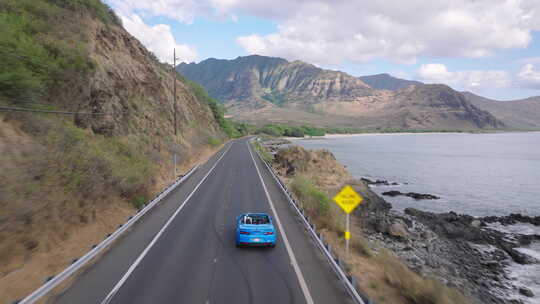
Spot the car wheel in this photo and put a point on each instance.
(272, 245)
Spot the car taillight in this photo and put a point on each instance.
(244, 232)
(269, 233)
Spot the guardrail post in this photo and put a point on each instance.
(354, 281)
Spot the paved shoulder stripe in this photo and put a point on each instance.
(299, 275)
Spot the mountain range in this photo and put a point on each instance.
(260, 89)
(387, 82)
(517, 114)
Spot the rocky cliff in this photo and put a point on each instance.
(274, 80)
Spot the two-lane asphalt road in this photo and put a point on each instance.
(194, 258)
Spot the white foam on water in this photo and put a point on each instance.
(519, 228)
(527, 276)
(483, 249)
(535, 253)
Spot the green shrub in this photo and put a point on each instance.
(97, 8)
(294, 132)
(275, 97)
(310, 196)
(34, 60)
(262, 151)
(217, 109)
(291, 131)
(95, 165)
(139, 201)
(243, 128)
(212, 141)
(272, 130)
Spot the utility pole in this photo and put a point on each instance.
(174, 92)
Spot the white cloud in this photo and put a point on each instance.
(529, 77)
(476, 80)
(184, 11)
(158, 39)
(337, 31)
(333, 31)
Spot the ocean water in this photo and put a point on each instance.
(476, 174)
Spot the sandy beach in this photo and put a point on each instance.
(333, 136)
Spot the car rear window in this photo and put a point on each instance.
(255, 219)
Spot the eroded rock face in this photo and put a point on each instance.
(135, 89)
(246, 79)
(320, 163)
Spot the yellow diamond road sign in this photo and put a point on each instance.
(348, 199)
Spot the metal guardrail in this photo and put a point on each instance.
(347, 279)
(78, 264)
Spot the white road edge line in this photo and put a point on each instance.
(299, 275)
(124, 278)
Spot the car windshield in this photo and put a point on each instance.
(255, 219)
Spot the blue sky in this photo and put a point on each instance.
(491, 50)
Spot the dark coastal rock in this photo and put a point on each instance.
(528, 239)
(393, 193)
(416, 196)
(526, 292)
(378, 182)
(459, 226)
(476, 270)
(512, 219)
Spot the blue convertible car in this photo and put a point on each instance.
(255, 229)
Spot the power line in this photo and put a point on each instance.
(18, 109)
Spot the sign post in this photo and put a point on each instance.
(348, 200)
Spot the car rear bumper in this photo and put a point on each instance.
(259, 240)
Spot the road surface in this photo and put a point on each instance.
(195, 260)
